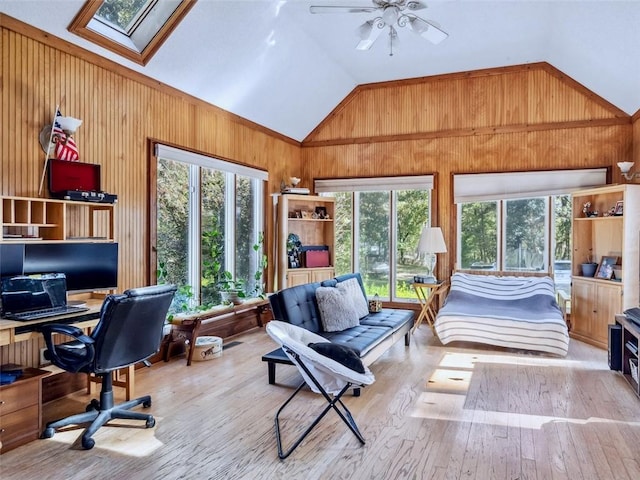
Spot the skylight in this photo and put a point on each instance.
(134, 29)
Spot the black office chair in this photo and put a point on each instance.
(129, 331)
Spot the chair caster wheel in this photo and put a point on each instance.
(48, 433)
(88, 443)
(94, 405)
(151, 422)
(146, 404)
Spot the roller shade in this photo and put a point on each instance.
(177, 155)
(417, 182)
(497, 186)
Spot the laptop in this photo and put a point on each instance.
(32, 297)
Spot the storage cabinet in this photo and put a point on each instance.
(21, 410)
(297, 214)
(37, 219)
(594, 306)
(596, 301)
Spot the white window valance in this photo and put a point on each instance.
(482, 187)
(184, 156)
(415, 182)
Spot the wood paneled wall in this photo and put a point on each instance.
(519, 118)
(121, 110)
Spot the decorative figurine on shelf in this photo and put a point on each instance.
(587, 212)
(293, 250)
(292, 187)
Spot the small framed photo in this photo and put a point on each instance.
(298, 213)
(321, 212)
(617, 211)
(605, 269)
(306, 214)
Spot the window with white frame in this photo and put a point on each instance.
(378, 222)
(519, 222)
(209, 221)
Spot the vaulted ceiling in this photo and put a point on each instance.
(274, 63)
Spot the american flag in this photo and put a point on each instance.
(66, 148)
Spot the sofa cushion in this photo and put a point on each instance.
(361, 338)
(354, 291)
(388, 317)
(337, 309)
(342, 354)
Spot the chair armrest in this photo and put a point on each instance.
(71, 356)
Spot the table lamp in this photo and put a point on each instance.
(431, 242)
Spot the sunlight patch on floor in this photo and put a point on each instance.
(469, 359)
(445, 406)
(124, 437)
(449, 381)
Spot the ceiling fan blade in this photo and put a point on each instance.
(427, 30)
(369, 33)
(340, 9)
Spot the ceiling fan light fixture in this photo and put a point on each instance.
(369, 32)
(364, 30)
(390, 14)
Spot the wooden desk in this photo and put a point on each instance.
(13, 331)
(427, 293)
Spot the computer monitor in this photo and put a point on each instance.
(87, 266)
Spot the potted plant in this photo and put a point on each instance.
(589, 267)
(231, 291)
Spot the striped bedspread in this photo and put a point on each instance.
(514, 312)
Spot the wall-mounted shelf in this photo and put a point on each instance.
(41, 219)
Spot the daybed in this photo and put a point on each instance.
(371, 336)
(514, 312)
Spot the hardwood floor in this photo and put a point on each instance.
(433, 412)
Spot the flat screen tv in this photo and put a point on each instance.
(87, 266)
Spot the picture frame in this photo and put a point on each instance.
(321, 212)
(298, 213)
(605, 269)
(618, 209)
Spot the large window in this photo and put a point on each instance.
(209, 221)
(514, 235)
(377, 227)
(519, 222)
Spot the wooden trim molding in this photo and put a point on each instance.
(468, 132)
(79, 26)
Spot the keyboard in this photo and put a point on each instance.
(44, 313)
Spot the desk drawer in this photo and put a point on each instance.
(19, 395)
(19, 427)
(5, 337)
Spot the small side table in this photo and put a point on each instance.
(427, 293)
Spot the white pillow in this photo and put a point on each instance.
(352, 286)
(337, 311)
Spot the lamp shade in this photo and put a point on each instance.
(431, 241)
(625, 167)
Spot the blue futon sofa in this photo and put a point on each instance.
(375, 334)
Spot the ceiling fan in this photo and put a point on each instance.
(391, 14)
